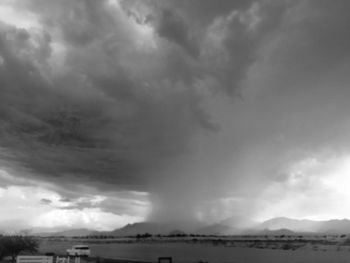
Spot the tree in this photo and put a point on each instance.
(2, 248)
(13, 245)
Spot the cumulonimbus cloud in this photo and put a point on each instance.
(116, 94)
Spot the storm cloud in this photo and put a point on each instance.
(190, 101)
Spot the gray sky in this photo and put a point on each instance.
(114, 112)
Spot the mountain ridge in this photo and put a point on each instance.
(225, 227)
(334, 226)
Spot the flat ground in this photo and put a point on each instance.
(244, 251)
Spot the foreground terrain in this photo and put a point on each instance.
(248, 249)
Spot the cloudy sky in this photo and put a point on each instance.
(114, 112)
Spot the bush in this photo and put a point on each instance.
(13, 245)
(287, 246)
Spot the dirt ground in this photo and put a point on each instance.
(182, 252)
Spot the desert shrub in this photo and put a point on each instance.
(287, 246)
(146, 235)
(13, 245)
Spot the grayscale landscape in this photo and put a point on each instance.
(166, 131)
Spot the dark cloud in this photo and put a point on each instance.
(206, 11)
(133, 96)
(65, 200)
(45, 201)
(89, 123)
(172, 27)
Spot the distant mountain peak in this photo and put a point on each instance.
(65, 232)
(306, 225)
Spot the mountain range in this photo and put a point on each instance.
(62, 232)
(274, 226)
(334, 226)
